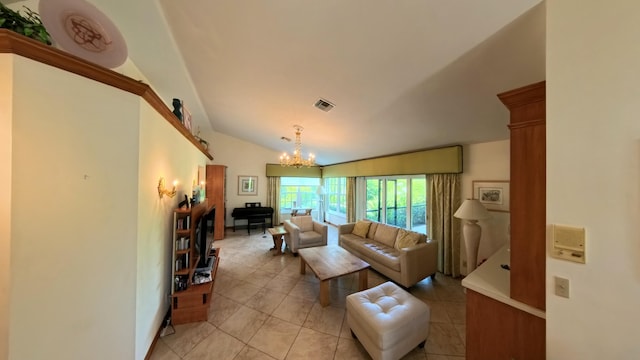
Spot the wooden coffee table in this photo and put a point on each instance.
(328, 262)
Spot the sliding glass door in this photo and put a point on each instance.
(398, 200)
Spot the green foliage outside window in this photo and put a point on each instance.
(387, 200)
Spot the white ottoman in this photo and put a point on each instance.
(388, 321)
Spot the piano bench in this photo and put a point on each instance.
(258, 220)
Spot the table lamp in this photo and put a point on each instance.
(471, 211)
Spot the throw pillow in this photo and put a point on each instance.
(406, 239)
(305, 223)
(361, 228)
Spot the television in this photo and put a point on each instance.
(203, 244)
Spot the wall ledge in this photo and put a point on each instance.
(11, 42)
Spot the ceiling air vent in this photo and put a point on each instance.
(324, 105)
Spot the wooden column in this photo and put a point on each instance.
(528, 193)
(216, 195)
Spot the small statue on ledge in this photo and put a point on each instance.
(177, 108)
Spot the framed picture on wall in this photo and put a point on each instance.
(186, 118)
(247, 185)
(493, 194)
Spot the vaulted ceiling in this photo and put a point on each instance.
(403, 75)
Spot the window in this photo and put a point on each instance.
(398, 200)
(297, 193)
(336, 195)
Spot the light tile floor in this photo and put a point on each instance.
(262, 308)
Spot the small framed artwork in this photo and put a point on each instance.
(247, 185)
(493, 194)
(186, 118)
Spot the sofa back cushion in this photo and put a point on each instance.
(305, 223)
(407, 238)
(372, 230)
(386, 234)
(361, 228)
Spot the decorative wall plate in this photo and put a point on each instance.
(81, 29)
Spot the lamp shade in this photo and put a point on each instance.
(472, 209)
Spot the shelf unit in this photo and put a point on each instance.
(190, 301)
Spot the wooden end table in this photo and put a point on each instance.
(328, 262)
(278, 234)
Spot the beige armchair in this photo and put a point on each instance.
(304, 232)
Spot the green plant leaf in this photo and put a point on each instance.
(29, 25)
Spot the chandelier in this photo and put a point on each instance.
(296, 160)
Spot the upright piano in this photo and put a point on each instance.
(255, 214)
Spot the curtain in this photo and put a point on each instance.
(273, 197)
(444, 200)
(351, 199)
(361, 198)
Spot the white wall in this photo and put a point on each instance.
(241, 158)
(163, 152)
(6, 108)
(593, 171)
(486, 161)
(86, 250)
(73, 216)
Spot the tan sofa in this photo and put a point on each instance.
(404, 256)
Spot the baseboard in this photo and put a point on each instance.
(155, 338)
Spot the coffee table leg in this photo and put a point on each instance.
(303, 265)
(324, 293)
(363, 279)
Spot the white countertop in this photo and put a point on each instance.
(491, 280)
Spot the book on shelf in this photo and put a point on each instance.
(182, 243)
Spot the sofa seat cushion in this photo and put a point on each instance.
(385, 255)
(309, 237)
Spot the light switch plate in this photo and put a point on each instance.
(568, 243)
(562, 286)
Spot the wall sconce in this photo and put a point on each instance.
(163, 191)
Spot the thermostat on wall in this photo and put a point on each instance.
(568, 243)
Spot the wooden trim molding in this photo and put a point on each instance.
(524, 96)
(528, 123)
(11, 42)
